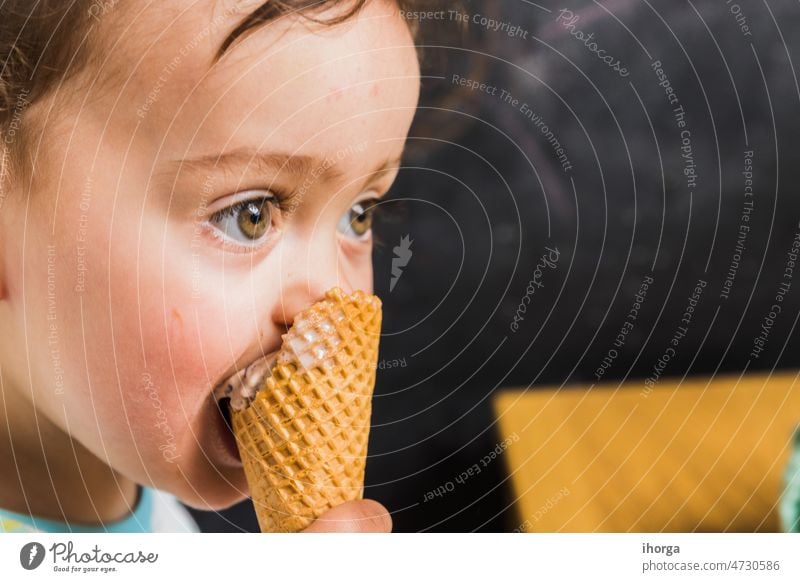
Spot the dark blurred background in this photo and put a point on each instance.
(485, 190)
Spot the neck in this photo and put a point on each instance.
(48, 474)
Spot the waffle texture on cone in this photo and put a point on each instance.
(303, 438)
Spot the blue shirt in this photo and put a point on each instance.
(138, 521)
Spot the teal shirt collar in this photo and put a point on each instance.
(790, 501)
(138, 521)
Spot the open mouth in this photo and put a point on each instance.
(225, 410)
(312, 341)
(239, 390)
(227, 437)
(235, 393)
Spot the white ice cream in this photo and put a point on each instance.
(311, 342)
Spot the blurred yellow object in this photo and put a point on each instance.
(703, 454)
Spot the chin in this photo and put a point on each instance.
(214, 498)
(203, 486)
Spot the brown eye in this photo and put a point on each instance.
(254, 219)
(248, 221)
(357, 221)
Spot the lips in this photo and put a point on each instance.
(242, 386)
(234, 392)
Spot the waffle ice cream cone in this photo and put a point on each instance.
(302, 434)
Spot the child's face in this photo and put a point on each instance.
(135, 284)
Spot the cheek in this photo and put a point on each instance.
(136, 349)
(178, 336)
(85, 353)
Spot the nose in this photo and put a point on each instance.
(305, 277)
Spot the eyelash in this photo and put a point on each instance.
(286, 202)
(389, 211)
(230, 211)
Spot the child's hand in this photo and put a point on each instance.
(363, 516)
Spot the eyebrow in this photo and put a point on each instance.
(237, 160)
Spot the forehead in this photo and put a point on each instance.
(286, 79)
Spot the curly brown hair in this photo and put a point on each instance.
(44, 43)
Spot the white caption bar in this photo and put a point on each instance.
(723, 557)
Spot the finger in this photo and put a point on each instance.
(362, 516)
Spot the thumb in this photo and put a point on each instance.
(362, 516)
